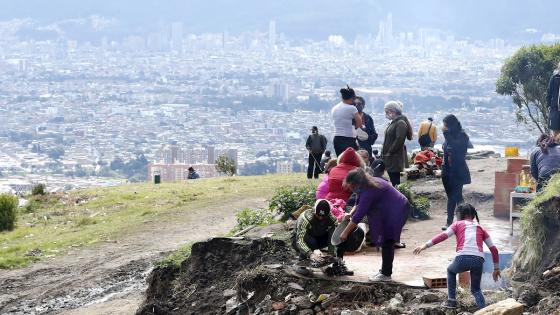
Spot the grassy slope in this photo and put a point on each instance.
(85, 217)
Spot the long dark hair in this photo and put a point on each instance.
(453, 125)
(467, 210)
(360, 178)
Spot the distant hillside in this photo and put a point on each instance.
(316, 19)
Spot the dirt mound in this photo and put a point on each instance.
(198, 285)
(537, 261)
(252, 276)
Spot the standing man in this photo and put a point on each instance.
(345, 116)
(553, 101)
(366, 132)
(316, 144)
(427, 134)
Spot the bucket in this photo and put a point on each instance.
(355, 239)
(512, 151)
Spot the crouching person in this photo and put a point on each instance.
(314, 230)
(470, 237)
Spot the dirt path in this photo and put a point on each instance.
(110, 278)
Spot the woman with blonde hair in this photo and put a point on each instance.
(386, 210)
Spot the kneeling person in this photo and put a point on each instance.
(314, 231)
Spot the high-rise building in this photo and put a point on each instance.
(272, 34)
(177, 36)
(389, 28)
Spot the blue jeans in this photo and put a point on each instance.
(464, 263)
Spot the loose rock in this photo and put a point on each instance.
(505, 307)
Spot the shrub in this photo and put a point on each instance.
(39, 189)
(420, 205)
(8, 212)
(538, 222)
(226, 165)
(247, 217)
(289, 199)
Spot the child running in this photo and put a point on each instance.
(470, 255)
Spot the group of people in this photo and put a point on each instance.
(358, 197)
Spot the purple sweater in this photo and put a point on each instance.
(387, 211)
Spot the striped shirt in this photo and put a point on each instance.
(470, 238)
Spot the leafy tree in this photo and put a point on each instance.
(525, 77)
(226, 165)
(117, 164)
(56, 153)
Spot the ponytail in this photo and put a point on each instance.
(467, 210)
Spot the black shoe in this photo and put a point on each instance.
(399, 245)
(450, 304)
(444, 228)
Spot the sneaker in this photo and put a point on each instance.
(379, 277)
(450, 304)
(444, 228)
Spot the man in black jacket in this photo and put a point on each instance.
(553, 101)
(316, 144)
(366, 138)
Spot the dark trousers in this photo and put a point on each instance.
(395, 178)
(313, 168)
(464, 263)
(320, 242)
(387, 257)
(343, 143)
(454, 193)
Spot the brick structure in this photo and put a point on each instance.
(505, 182)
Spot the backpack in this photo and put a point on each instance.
(425, 140)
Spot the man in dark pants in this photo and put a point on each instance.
(313, 231)
(316, 144)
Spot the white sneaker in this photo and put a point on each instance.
(379, 277)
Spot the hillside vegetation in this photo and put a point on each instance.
(51, 224)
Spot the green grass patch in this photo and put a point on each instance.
(533, 229)
(176, 258)
(57, 222)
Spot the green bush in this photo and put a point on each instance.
(289, 199)
(8, 212)
(420, 204)
(248, 217)
(39, 189)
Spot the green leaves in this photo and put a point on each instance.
(524, 76)
(289, 199)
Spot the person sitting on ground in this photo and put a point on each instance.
(387, 211)
(344, 114)
(377, 169)
(545, 159)
(192, 174)
(553, 101)
(365, 157)
(427, 134)
(338, 194)
(314, 230)
(323, 188)
(365, 133)
(470, 254)
(326, 158)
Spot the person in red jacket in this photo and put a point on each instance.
(347, 161)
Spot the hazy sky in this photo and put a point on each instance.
(316, 19)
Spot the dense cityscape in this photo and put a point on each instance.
(80, 113)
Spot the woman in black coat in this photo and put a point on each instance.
(455, 172)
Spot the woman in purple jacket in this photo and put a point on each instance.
(386, 209)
